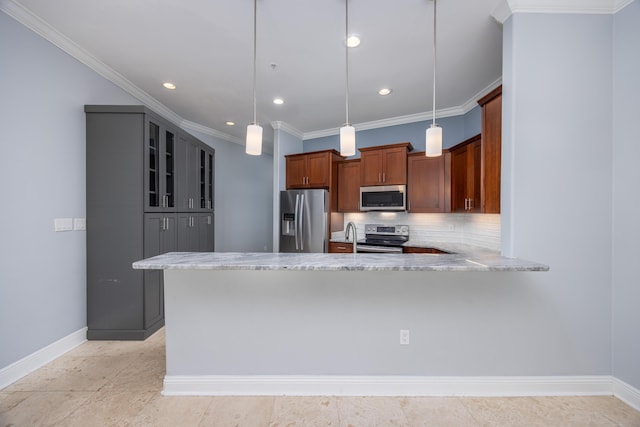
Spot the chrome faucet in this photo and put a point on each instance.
(351, 225)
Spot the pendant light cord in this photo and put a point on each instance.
(433, 112)
(346, 43)
(255, 25)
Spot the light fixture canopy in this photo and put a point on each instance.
(253, 144)
(347, 132)
(433, 137)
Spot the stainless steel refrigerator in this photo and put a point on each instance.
(304, 220)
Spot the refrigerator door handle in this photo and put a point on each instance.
(295, 221)
(300, 223)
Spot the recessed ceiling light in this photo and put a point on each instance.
(278, 101)
(384, 91)
(229, 123)
(169, 85)
(353, 40)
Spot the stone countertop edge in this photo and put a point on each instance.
(488, 261)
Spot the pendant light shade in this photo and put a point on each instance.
(253, 144)
(433, 142)
(347, 132)
(347, 141)
(254, 140)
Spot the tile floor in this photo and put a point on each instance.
(115, 383)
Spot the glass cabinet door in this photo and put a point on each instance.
(210, 170)
(169, 168)
(160, 152)
(153, 166)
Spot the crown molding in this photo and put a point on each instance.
(508, 7)
(45, 30)
(189, 125)
(411, 118)
(278, 125)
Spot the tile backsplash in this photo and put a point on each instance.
(472, 229)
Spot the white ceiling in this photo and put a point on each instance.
(205, 47)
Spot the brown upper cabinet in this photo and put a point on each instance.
(311, 170)
(426, 187)
(491, 150)
(349, 185)
(384, 165)
(476, 162)
(465, 176)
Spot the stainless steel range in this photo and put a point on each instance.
(384, 238)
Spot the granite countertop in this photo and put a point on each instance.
(485, 261)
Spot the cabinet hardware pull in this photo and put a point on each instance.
(379, 177)
(384, 177)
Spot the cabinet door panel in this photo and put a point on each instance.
(459, 179)
(426, 184)
(152, 167)
(296, 172)
(318, 170)
(349, 186)
(371, 168)
(394, 166)
(205, 233)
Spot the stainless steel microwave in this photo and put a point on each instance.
(383, 198)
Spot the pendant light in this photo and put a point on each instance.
(433, 146)
(253, 144)
(347, 132)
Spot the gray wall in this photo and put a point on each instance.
(454, 130)
(243, 199)
(557, 182)
(626, 176)
(42, 273)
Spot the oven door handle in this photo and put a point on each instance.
(380, 249)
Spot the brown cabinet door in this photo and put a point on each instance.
(492, 152)
(426, 185)
(371, 167)
(318, 170)
(296, 172)
(459, 179)
(466, 176)
(343, 248)
(349, 186)
(474, 177)
(394, 166)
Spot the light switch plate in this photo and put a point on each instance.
(63, 224)
(79, 223)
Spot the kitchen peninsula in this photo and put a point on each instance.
(285, 323)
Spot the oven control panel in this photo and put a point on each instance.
(386, 230)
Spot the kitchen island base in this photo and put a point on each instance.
(231, 332)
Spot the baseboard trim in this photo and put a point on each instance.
(224, 385)
(28, 364)
(626, 393)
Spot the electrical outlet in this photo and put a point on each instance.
(63, 224)
(79, 224)
(404, 337)
(452, 227)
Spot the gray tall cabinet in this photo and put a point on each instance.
(150, 190)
